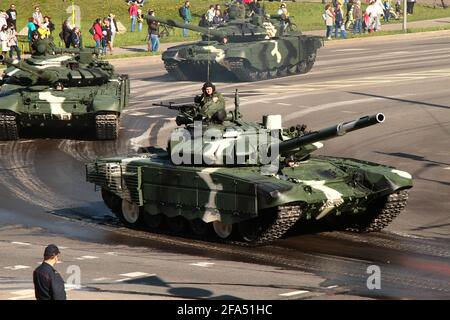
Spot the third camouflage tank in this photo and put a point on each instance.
(62, 88)
(245, 48)
(248, 180)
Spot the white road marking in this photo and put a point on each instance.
(100, 279)
(293, 293)
(136, 274)
(112, 253)
(332, 287)
(448, 168)
(346, 111)
(18, 267)
(284, 104)
(21, 243)
(69, 287)
(155, 116)
(87, 258)
(202, 264)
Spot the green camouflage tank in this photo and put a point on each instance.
(244, 48)
(247, 182)
(62, 88)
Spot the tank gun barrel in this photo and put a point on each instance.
(330, 132)
(36, 73)
(174, 23)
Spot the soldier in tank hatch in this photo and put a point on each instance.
(212, 103)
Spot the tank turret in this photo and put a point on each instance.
(70, 74)
(235, 142)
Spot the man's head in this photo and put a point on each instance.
(51, 254)
(187, 4)
(13, 7)
(208, 88)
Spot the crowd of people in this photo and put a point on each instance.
(8, 32)
(342, 15)
(103, 32)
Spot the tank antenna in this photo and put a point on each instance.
(237, 113)
(209, 55)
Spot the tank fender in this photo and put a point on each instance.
(106, 103)
(11, 103)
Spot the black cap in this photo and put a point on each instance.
(51, 251)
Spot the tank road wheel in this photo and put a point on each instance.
(8, 126)
(292, 69)
(113, 202)
(263, 75)
(175, 71)
(223, 230)
(130, 213)
(176, 224)
(306, 66)
(106, 126)
(200, 227)
(282, 72)
(153, 221)
(273, 73)
(380, 213)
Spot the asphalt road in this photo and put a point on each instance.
(44, 197)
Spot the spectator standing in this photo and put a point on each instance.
(217, 20)
(106, 41)
(133, 11)
(185, 13)
(31, 29)
(48, 283)
(4, 38)
(153, 33)
(114, 28)
(3, 19)
(329, 19)
(140, 20)
(75, 38)
(410, 6)
(387, 10)
(339, 23)
(13, 42)
(12, 15)
(97, 33)
(48, 24)
(37, 17)
(66, 33)
(357, 16)
(398, 8)
(211, 13)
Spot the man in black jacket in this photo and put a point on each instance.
(48, 283)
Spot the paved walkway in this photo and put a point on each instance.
(388, 27)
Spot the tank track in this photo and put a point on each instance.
(106, 126)
(175, 71)
(8, 126)
(287, 217)
(383, 215)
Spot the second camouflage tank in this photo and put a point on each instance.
(244, 48)
(71, 89)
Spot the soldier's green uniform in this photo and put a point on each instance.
(212, 106)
